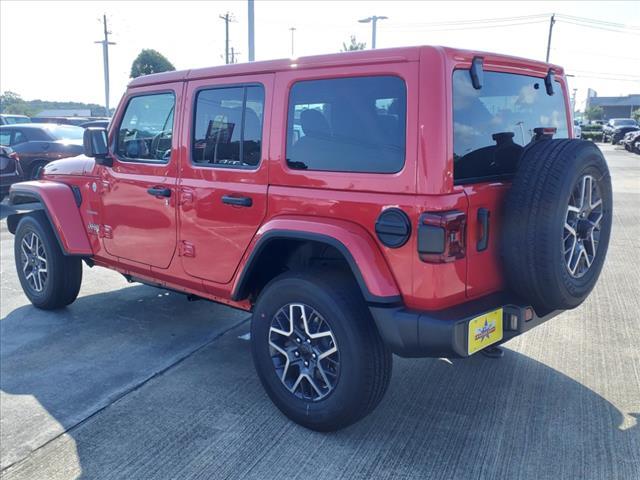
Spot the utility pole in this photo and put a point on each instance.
(105, 58)
(374, 22)
(227, 17)
(573, 101)
(551, 22)
(252, 51)
(293, 29)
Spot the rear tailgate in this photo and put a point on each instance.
(484, 274)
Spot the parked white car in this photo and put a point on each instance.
(577, 129)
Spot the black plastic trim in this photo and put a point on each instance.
(393, 228)
(477, 72)
(239, 292)
(443, 333)
(483, 221)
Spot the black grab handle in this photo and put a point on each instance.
(483, 220)
(159, 192)
(239, 201)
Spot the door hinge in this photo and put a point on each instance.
(106, 231)
(186, 197)
(187, 249)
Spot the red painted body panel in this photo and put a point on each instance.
(218, 232)
(134, 217)
(61, 208)
(149, 234)
(362, 247)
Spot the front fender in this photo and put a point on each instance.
(356, 245)
(60, 205)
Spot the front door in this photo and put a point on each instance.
(223, 184)
(139, 190)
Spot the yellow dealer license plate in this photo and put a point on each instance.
(485, 330)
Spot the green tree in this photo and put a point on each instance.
(150, 61)
(636, 114)
(353, 45)
(594, 113)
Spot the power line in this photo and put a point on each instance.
(600, 22)
(471, 27)
(475, 21)
(599, 28)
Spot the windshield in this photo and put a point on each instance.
(10, 119)
(66, 132)
(621, 122)
(491, 125)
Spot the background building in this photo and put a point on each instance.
(614, 107)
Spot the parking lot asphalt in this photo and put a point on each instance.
(130, 382)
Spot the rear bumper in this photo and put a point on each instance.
(444, 333)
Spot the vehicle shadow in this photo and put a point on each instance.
(76, 361)
(209, 417)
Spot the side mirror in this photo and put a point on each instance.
(95, 145)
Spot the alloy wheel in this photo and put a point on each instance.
(34, 261)
(582, 226)
(304, 352)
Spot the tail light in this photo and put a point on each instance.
(441, 236)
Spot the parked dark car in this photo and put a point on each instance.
(37, 144)
(10, 170)
(616, 128)
(10, 119)
(95, 123)
(62, 120)
(631, 141)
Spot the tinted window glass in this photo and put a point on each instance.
(63, 132)
(18, 137)
(493, 124)
(228, 127)
(348, 124)
(5, 137)
(146, 129)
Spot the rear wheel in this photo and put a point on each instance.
(49, 279)
(317, 351)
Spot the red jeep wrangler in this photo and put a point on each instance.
(424, 201)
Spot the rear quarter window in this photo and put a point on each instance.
(353, 124)
(492, 125)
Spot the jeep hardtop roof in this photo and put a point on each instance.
(365, 57)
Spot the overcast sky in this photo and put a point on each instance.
(47, 49)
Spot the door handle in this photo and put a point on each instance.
(483, 221)
(239, 201)
(159, 192)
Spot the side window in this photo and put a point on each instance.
(146, 130)
(227, 127)
(348, 125)
(18, 137)
(5, 138)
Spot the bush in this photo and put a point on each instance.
(593, 136)
(591, 128)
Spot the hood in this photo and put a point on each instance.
(80, 165)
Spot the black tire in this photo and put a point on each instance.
(64, 273)
(536, 209)
(365, 363)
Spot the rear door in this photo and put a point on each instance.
(492, 125)
(139, 190)
(223, 184)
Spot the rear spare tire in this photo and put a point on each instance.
(557, 223)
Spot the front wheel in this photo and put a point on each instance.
(317, 351)
(49, 279)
